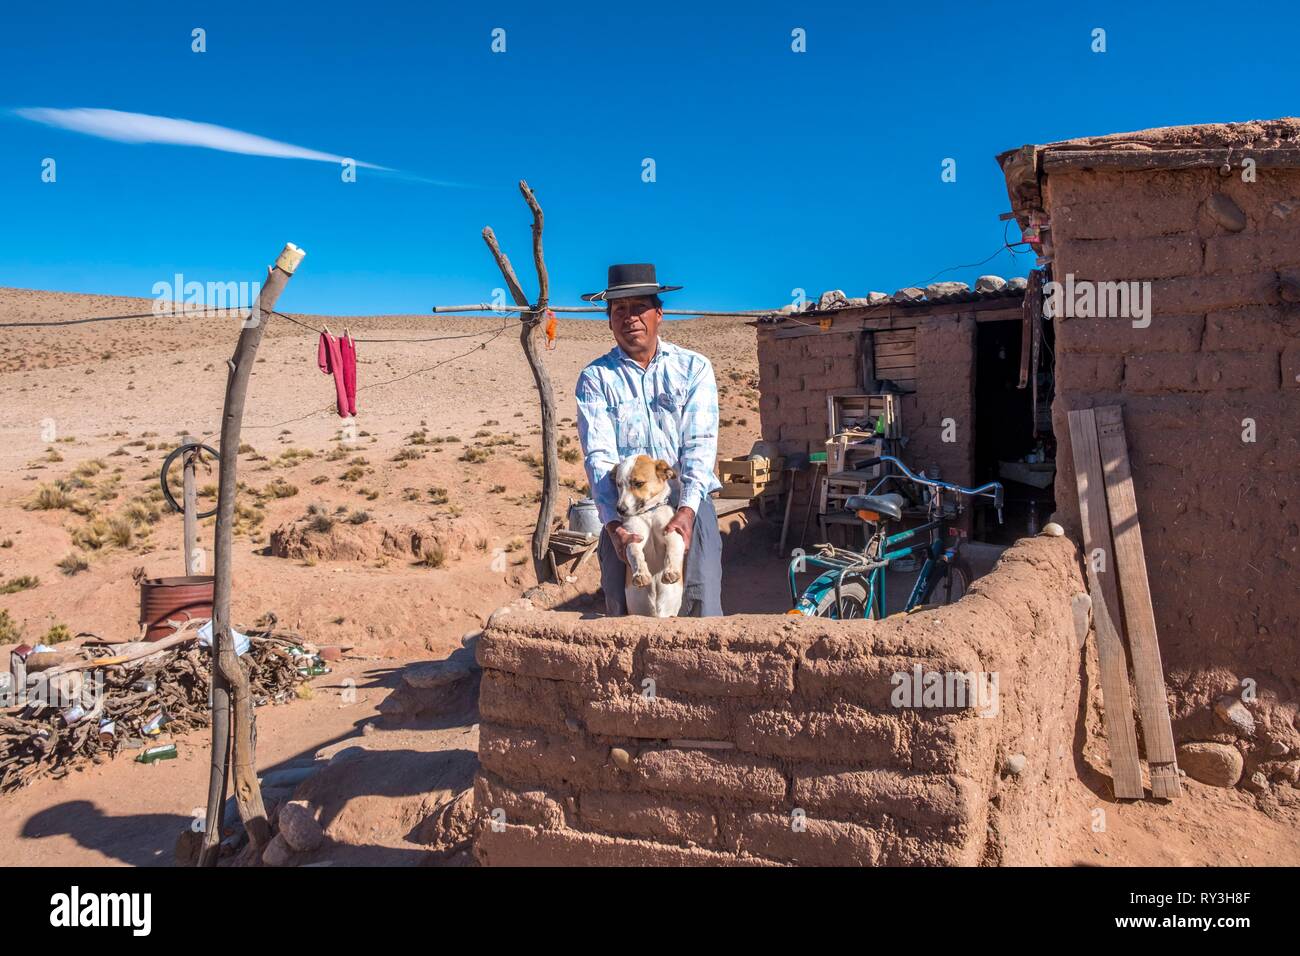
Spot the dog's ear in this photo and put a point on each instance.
(664, 470)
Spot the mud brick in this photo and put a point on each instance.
(867, 680)
(648, 816)
(655, 718)
(933, 800)
(1123, 220)
(818, 843)
(1138, 187)
(1252, 328)
(1162, 257)
(1250, 251)
(1082, 372)
(708, 773)
(506, 698)
(1207, 293)
(533, 846)
(719, 673)
(1172, 333)
(846, 735)
(556, 761)
(533, 807)
(554, 660)
(1212, 371)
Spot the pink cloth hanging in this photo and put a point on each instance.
(330, 359)
(348, 350)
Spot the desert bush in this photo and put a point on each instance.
(359, 517)
(475, 456)
(91, 536)
(24, 582)
(57, 634)
(355, 473)
(321, 524)
(279, 488)
(10, 633)
(74, 562)
(434, 555)
(121, 532)
(408, 454)
(438, 496)
(50, 497)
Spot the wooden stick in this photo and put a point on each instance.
(228, 677)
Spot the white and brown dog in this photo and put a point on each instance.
(654, 564)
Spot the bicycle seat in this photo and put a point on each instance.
(887, 506)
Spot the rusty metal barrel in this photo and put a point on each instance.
(174, 599)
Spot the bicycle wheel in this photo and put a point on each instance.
(853, 594)
(951, 587)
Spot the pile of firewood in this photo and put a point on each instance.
(90, 706)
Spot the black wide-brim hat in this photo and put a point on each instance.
(628, 280)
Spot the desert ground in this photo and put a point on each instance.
(447, 443)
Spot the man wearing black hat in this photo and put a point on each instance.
(650, 397)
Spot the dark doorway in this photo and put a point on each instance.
(1006, 446)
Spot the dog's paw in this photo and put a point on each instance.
(672, 577)
(640, 580)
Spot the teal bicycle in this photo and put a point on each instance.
(852, 584)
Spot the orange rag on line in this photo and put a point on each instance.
(552, 328)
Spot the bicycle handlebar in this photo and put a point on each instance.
(992, 489)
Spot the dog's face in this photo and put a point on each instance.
(642, 484)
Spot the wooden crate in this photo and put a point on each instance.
(742, 478)
(859, 411)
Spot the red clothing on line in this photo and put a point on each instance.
(330, 356)
(348, 350)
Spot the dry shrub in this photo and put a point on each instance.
(50, 497)
(74, 562)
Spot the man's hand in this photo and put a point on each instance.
(683, 522)
(621, 538)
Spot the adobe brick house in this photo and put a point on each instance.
(1209, 216)
(960, 345)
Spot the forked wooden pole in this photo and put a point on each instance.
(229, 682)
(530, 323)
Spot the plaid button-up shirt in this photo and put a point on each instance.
(668, 410)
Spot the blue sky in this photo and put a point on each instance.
(774, 170)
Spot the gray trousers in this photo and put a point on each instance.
(702, 594)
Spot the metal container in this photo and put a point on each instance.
(174, 599)
(583, 516)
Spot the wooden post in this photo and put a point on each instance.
(530, 322)
(191, 512)
(228, 677)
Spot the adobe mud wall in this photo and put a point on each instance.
(1211, 398)
(800, 364)
(776, 740)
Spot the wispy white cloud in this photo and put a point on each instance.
(143, 128)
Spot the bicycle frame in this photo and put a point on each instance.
(882, 550)
(840, 564)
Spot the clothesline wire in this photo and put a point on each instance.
(400, 378)
(435, 338)
(205, 312)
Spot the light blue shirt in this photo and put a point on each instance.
(668, 410)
